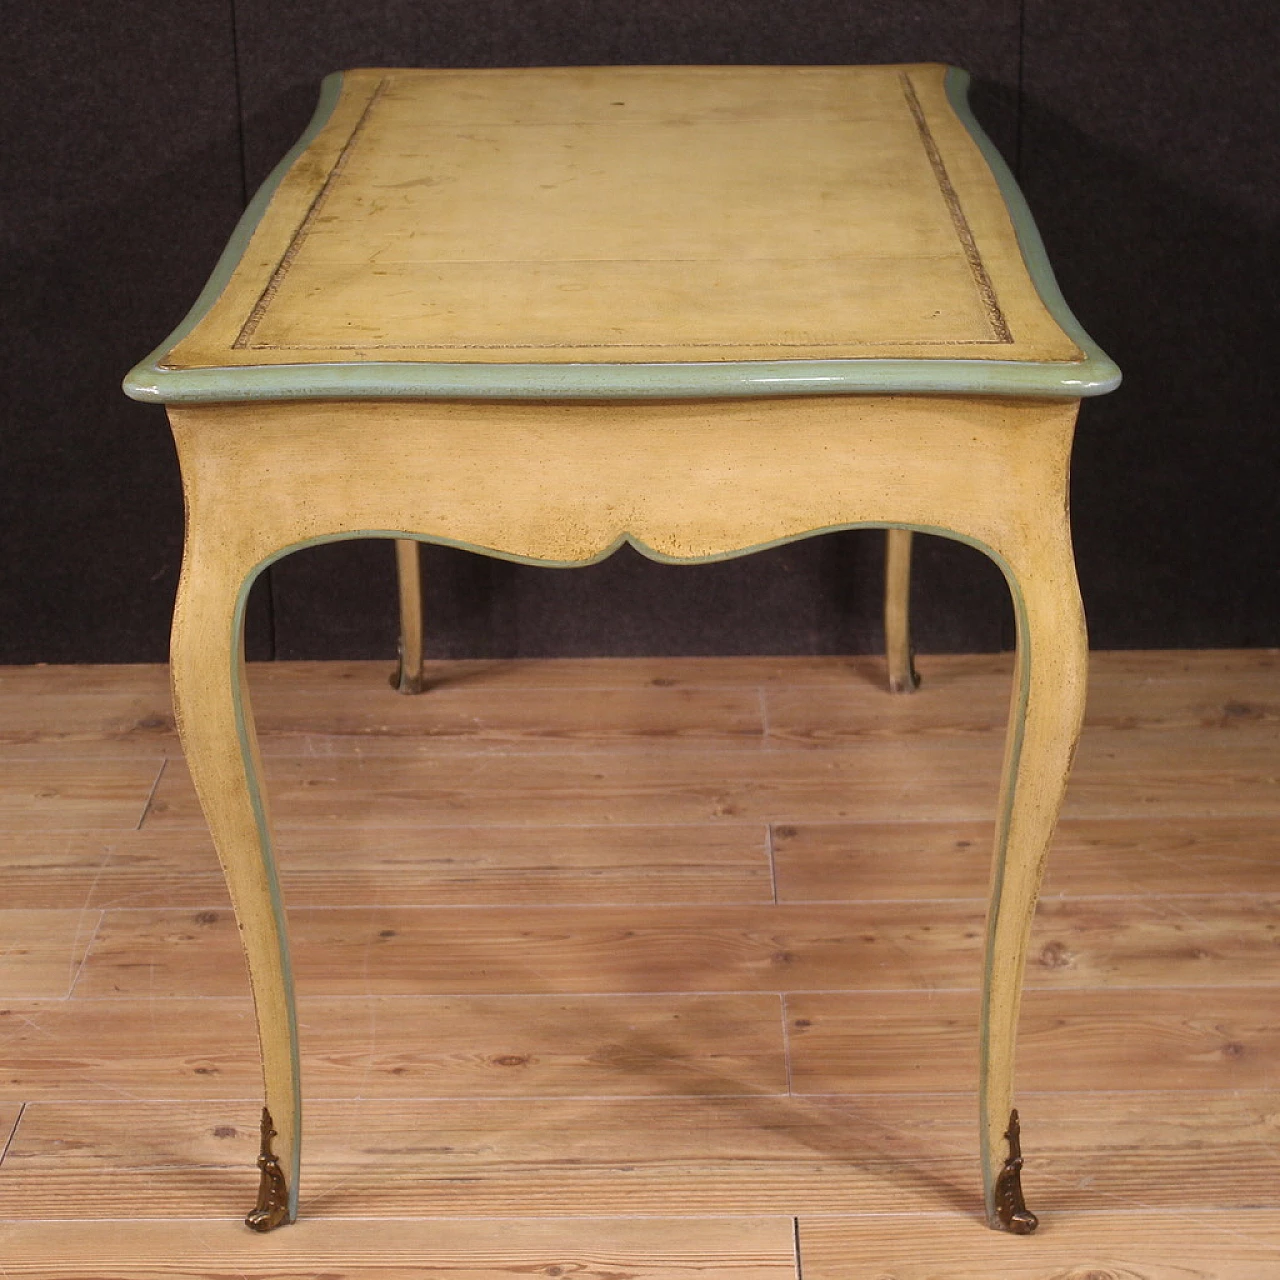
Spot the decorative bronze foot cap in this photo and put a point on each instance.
(1011, 1210)
(1020, 1222)
(267, 1219)
(272, 1209)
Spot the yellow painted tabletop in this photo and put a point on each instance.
(589, 217)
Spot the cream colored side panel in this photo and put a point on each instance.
(564, 483)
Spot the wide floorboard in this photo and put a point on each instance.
(664, 969)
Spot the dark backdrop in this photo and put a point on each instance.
(1144, 135)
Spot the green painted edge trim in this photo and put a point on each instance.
(1095, 375)
(623, 539)
(1103, 369)
(147, 380)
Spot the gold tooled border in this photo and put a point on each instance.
(245, 337)
(977, 268)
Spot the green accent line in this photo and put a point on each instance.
(253, 782)
(148, 370)
(1029, 240)
(1095, 375)
(1021, 696)
(623, 539)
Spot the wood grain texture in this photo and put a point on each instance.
(934, 780)
(1152, 674)
(56, 870)
(576, 1156)
(41, 951)
(59, 726)
(122, 680)
(511, 705)
(1139, 1244)
(1149, 1096)
(1091, 857)
(969, 696)
(468, 720)
(645, 787)
(356, 719)
(1161, 942)
(1212, 1038)
(696, 862)
(76, 794)
(406, 1046)
(887, 1154)
(406, 866)
(499, 1249)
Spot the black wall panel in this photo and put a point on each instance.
(121, 177)
(1143, 134)
(1149, 147)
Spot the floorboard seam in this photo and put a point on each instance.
(88, 947)
(17, 1120)
(765, 730)
(151, 795)
(1165, 816)
(771, 849)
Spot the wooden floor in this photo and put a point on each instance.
(643, 970)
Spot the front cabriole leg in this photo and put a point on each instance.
(215, 722)
(1044, 727)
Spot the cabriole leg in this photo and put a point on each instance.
(1044, 728)
(897, 612)
(216, 726)
(408, 676)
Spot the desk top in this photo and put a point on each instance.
(633, 231)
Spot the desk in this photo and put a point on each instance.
(540, 313)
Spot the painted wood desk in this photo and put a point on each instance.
(540, 313)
